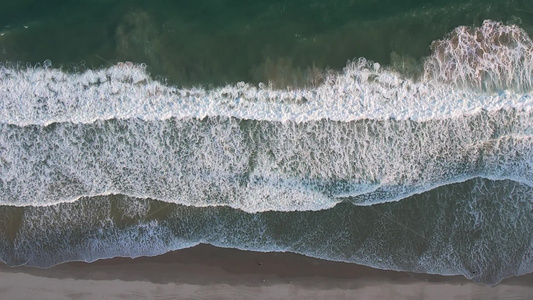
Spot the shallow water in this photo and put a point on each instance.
(479, 228)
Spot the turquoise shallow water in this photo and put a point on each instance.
(133, 128)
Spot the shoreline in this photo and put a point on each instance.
(208, 272)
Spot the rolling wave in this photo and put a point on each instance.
(495, 61)
(111, 163)
(366, 135)
(362, 91)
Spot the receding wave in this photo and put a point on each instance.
(479, 228)
(366, 135)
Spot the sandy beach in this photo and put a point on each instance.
(207, 272)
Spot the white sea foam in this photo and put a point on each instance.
(260, 165)
(366, 134)
(493, 56)
(452, 230)
(41, 96)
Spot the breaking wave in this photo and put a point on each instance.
(111, 163)
(366, 135)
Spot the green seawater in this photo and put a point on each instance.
(109, 176)
(213, 42)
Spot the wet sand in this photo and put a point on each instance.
(207, 272)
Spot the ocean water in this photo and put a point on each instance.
(397, 135)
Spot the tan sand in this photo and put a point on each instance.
(206, 272)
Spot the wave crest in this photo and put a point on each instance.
(366, 133)
(493, 56)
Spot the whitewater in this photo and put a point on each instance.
(110, 162)
(366, 134)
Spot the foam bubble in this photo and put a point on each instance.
(259, 165)
(493, 56)
(366, 134)
(463, 229)
(42, 96)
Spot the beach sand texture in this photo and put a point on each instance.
(207, 272)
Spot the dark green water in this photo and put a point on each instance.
(216, 42)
